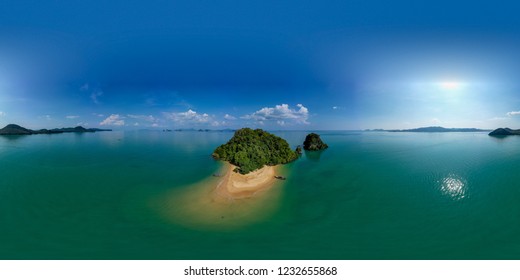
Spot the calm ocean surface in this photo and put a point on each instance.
(371, 195)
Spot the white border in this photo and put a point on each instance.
(168, 270)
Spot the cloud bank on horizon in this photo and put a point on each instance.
(281, 115)
(175, 64)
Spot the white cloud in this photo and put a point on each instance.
(498, 119)
(282, 114)
(82, 124)
(229, 117)
(513, 113)
(114, 119)
(217, 123)
(436, 121)
(95, 94)
(72, 117)
(2, 114)
(144, 118)
(189, 116)
(98, 115)
(46, 117)
(148, 118)
(334, 107)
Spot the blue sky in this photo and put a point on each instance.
(268, 64)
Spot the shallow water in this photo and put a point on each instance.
(371, 195)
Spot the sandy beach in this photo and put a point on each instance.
(236, 185)
(226, 202)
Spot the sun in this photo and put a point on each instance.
(450, 85)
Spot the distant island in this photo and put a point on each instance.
(250, 150)
(438, 129)
(504, 132)
(14, 129)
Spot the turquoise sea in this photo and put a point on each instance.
(371, 195)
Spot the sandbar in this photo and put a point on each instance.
(236, 185)
(227, 202)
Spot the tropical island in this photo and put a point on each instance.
(252, 164)
(14, 129)
(504, 132)
(250, 150)
(252, 158)
(438, 129)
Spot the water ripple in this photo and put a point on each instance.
(454, 186)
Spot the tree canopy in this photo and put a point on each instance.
(251, 149)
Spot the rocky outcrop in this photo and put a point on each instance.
(313, 143)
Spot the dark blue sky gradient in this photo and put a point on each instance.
(351, 64)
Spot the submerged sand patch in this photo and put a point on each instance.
(226, 202)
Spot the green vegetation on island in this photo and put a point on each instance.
(14, 129)
(250, 149)
(504, 132)
(313, 143)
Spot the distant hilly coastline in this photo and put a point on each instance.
(504, 132)
(438, 129)
(14, 129)
(199, 130)
(497, 132)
